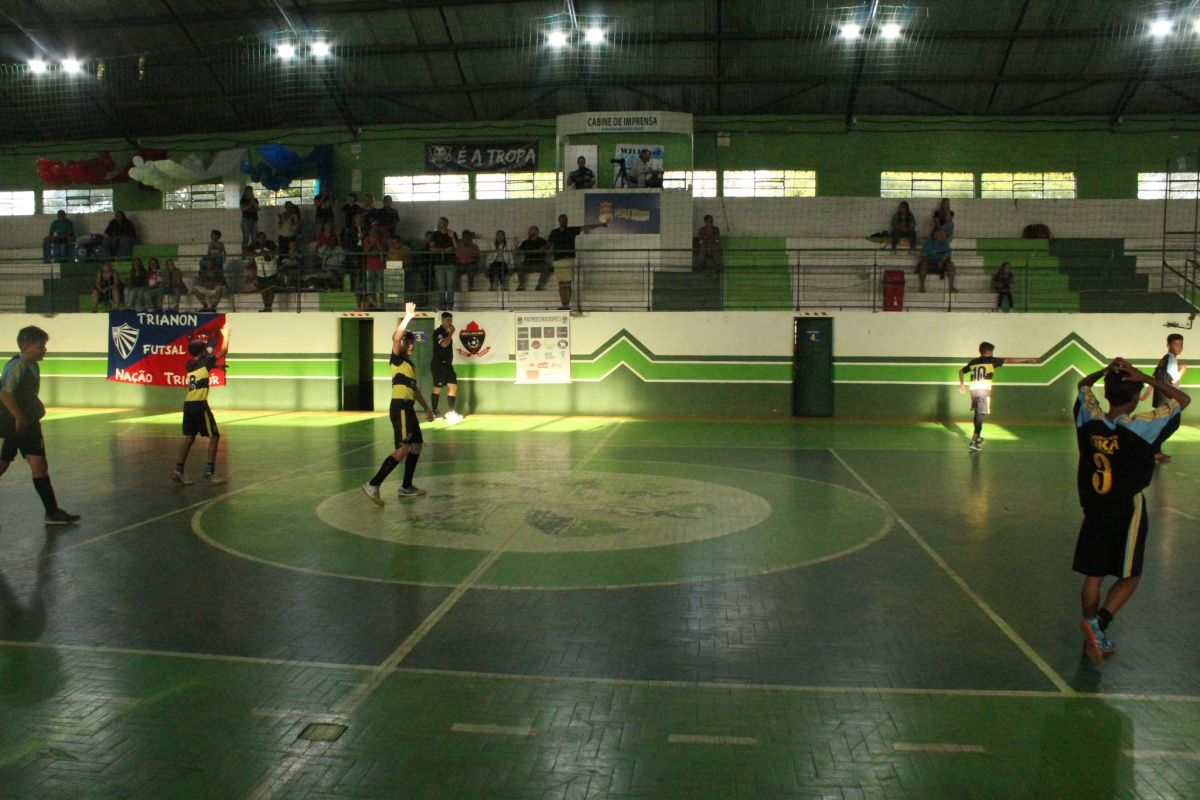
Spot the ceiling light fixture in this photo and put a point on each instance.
(1161, 27)
(594, 36)
(890, 31)
(37, 66)
(851, 31)
(285, 51)
(320, 49)
(556, 39)
(71, 65)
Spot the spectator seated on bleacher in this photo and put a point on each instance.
(943, 219)
(709, 240)
(174, 288)
(289, 266)
(289, 225)
(210, 285)
(535, 253)
(216, 249)
(904, 226)
(107, 287)
(252, 283)
(467, 255)
(262, 250)
(136, 286)
(332, 260)
(935, 258)
(500, 262)
(120, 236)
(156, 284)
(60, 240)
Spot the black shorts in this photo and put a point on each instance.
(981, 403)
(405, 427)
(443, 373)
(198, 419)
(1112, 540)
(29, 442)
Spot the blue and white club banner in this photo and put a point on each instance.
(151, 347)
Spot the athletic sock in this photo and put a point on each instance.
(451, 400)
(410, 468)
(385, 469)
(436, 397)
(46, 492)
(210, 469)
(1104, 616)
(179, 467)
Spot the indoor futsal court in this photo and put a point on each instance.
(586, 607)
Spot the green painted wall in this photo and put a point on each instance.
(1105, 160)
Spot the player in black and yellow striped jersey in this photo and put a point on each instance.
(982, 370)
(406, 431)
(1116, 462)
(198, 418)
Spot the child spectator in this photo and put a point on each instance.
(1002, 282)
(501, 264)
(216, 249)
(209, 288)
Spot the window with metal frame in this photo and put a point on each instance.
(515, 185)
(77, 201)
(199, 195)
(427, 188)
(16, 204)
(769, 183)
(300, 192)
(926, 184)
(703, 183)
(1168, 185)
(1028, 185)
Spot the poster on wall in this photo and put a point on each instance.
(150, 348)
(543, 346)
(623, 212)
(638, 166)
(481, 156)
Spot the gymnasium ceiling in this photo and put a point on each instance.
(157, 67)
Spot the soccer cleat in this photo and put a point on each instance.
(372, 493)
(213, 480)
(60, 517)
(410, 491)
(177, 477)
(1093, 639)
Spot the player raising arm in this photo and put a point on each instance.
(406, 431)
(1116, 462)
(198, 419)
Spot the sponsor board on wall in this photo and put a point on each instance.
(481, 156)
(150, 348)
(543, 347)
(623, 212)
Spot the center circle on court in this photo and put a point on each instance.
(543, 511)
(543, 525)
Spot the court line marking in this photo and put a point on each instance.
(692, 738)
(221, 496)
(886, 528)
(231, 659)
(938, 747)
(1181, 513)
(493, 730)
(984, 606)
(1183, 755)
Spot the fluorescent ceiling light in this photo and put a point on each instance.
(37, 66)
(285, 50)
(890, 31)
(320, 49)
(851, 30)
(556, 39)
(1161, 27)
(594, 36)
(71, 65)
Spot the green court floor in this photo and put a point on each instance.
(585, 608)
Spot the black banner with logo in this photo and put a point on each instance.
(481, 156)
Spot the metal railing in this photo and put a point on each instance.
(660, 279)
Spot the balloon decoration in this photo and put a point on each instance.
(98, 171)
(168, 176)
(280, 166)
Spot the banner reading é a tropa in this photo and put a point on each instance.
(151, 347)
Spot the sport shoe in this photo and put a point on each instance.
(975, 444)
(436, 416)
(177, 477)
(372, 493)
(1107, 646)
(60, 517)
(409, 491)
(453, 417)
(1093, 639)
(213, 479)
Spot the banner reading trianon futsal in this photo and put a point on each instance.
(543, 347)
(481, 156)
(151, 347)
